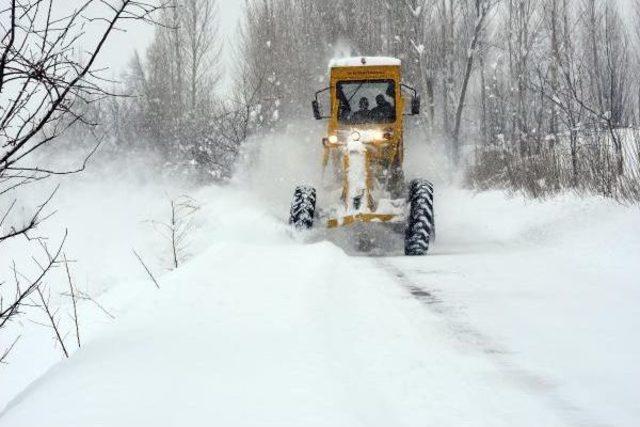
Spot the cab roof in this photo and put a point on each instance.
(364, 61)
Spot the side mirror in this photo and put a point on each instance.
(316, 110)
(415, 105)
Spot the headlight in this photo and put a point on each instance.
(377, 135)
(333, 139)
(355, 136)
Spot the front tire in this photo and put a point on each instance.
(420, 229)
(303, 208)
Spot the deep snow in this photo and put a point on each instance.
(525, 313)
(529, 320)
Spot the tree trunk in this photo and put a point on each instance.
(482, 13)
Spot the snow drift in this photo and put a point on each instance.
(524, 314)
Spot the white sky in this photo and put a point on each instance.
(117, 54)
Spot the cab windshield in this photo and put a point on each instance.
(366, 101)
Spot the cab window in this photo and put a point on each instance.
(366, 101)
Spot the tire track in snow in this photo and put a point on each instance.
(471, 337)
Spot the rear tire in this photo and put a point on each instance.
(303, 207)
(420, 229)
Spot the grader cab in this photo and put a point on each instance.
(363, 154)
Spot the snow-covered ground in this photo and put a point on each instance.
(525, 313)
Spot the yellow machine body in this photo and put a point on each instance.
(377, 156)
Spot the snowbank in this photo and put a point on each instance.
(278, 335)
(524, 314)
(530, 323)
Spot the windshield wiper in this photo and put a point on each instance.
(354, 93)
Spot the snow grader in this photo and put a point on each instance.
(363, 155)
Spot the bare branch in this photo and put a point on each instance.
(73, 299)
(5, 353)
(52, 320)
(6, 314)
(155, 282)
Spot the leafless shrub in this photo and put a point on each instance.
(43, 83)
(11, 308)
(74, 300)
(44, 296)
(554, 166)
(25, 286)
(84, 296)
(177, 229)
(52, 317)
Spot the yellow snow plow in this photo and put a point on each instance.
(363, 154)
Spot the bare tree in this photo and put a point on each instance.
(178, 228)
(199, 23)
(174, 91)
(42, 83)
(552, 99)
(482, 10)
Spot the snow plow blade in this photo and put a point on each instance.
(361, 217)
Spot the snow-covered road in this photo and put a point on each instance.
(296, 336)
(525, 314)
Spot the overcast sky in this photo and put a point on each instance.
(117, 54)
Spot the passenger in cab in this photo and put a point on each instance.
(363, 114)
(383, 111)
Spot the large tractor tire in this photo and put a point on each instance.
(420, 229)
(303, 208)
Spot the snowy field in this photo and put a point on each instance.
(526, 313)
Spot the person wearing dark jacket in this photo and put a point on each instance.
(383, 112)
(363, 114)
